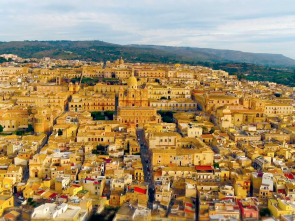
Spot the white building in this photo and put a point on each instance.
(52, 211)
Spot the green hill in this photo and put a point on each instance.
(255, 66)
(217, 55)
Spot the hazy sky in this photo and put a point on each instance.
(247, 25)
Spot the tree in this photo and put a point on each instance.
(97, 115)
(1, 128)
(30, 111)
(167, 119)
(216, 165)
(2, 60)
(100, 147)
(109, 114)
(241, 77)
(30, 128)
(59, 132)
(163, 98)
(205, 129)
(19, 133)
(212, 130)
(94, 151)
(167, 116)
(264, 212)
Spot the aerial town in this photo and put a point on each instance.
(84, 140)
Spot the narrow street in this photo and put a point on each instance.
(26, 172)
(26, 175)
(148, 173)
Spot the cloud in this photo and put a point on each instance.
(256, 26)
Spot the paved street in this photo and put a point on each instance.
(26, 173)
(148, 177)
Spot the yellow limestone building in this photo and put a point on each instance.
(133, 96)
(134, 107)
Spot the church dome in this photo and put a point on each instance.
(132, 82)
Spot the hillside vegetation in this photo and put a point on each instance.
(253, 66)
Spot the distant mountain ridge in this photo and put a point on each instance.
(99, 50)
(223, 56)
(252, 66)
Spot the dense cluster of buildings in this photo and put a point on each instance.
(143, 142)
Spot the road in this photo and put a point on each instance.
(147, 170)
(26, 175)
(17, 202)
